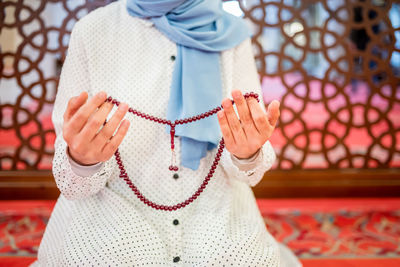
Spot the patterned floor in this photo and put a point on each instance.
(336, 228)
(340, 232)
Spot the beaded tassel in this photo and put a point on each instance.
(173, 166)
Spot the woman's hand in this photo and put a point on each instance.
(83, 119)
(245, 137)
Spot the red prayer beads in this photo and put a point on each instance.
(123, 174)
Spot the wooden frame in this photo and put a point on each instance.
(330, 183)
(275, 184)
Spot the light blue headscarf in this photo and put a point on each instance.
(201, 29)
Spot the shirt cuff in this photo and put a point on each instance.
(83, 170)
(247, 165)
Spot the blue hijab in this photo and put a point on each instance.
(201, 29)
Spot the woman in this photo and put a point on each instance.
(174, 60)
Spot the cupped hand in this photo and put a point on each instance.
(89, 140)
(244, 137)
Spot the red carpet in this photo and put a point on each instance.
(322, 232)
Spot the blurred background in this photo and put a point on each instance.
(333, 194)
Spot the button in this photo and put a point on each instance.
(175, 222)
(176, 259)
(173, 58)
(176, 176)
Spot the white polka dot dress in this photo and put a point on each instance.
(97, 220)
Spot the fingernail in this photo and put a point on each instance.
(220, 114)
(226, 103)
(102, 94)
(236, 94)
(123, 106)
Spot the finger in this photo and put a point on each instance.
(74, 104)
(244, 113)
(226, 130)
(273, 112)
(109, 129)
(80, 118)
(91, 128)
(233, 121)
(110, 148)
(259, 117)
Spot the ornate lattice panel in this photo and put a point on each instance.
(34, 40)
(334, 64)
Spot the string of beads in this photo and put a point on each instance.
(173, 167)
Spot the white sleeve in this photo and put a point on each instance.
(74, 79)
(252, 174)
(245, 78)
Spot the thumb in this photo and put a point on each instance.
(273, 112)
(74, 104)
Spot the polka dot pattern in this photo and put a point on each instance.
(97, 220)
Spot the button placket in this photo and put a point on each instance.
(174, 219)
(176, 241)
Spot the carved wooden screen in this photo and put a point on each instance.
(334, 64)
(34, 41)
